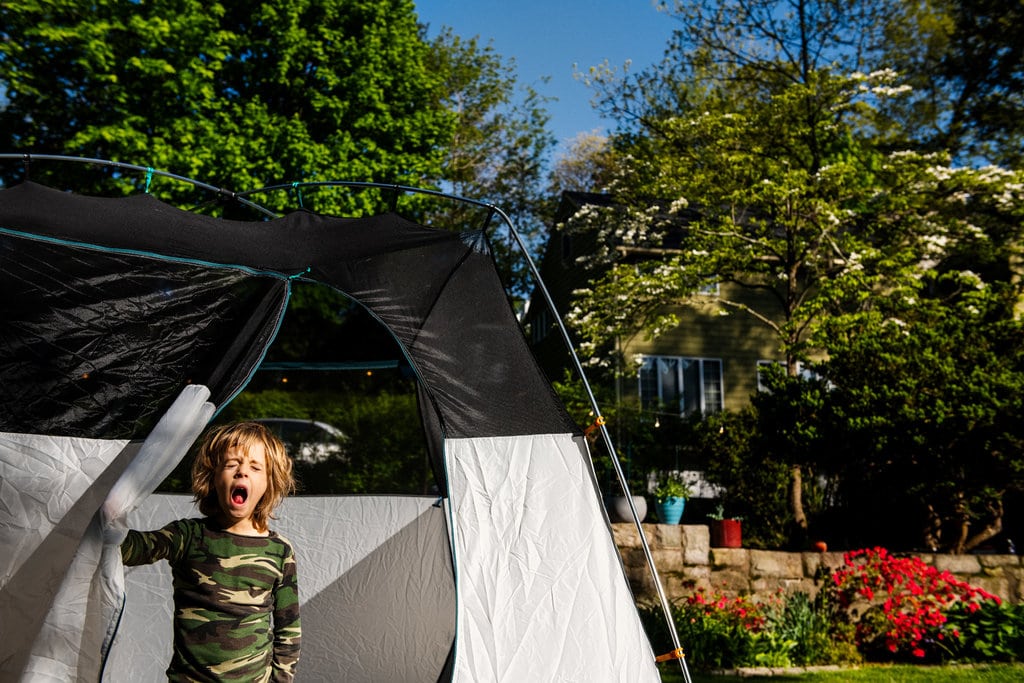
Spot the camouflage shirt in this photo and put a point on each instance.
(236, 604)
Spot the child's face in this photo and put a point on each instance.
(240, 483)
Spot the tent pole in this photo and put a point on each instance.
(27, 158)
(665, 607)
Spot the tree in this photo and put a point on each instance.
(780, 172)
(242, 95)
(236, 94)
(938, 440)
(585, 167)
(499, 148)
(965, 62)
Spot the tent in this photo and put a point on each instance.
(127, 323)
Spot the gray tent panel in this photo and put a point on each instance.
(375, 583)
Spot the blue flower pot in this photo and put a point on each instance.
(670, 511)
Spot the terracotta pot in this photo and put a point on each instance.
(726, 533)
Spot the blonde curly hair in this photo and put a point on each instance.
(243, 435)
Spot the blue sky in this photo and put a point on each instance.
(546, 37)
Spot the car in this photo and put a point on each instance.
(309, 441)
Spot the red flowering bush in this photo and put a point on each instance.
(903, 604)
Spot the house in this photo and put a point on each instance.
(708, 363)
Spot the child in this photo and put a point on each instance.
(236, 607)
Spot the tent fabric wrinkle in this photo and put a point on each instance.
(502, 582)
(84, 329)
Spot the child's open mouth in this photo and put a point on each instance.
(239, 495)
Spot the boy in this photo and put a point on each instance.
(236, 608)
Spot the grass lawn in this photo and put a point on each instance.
(980, 673)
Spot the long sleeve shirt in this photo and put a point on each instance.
(236, 604)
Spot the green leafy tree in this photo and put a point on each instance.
(499, 149)
(965, 61)
(236, 94)
(754, 483)
(926, 411)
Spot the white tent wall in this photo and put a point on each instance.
(50, 488)
(542, 595)
(375, 585)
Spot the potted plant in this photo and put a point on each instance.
(726, 532)
(670, 497)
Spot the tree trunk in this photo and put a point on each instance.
(994, 526)
(933, 530)
(796, 497)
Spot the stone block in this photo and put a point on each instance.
(696, 545)
(828, 562)
(626, 535)
(680, 586)
(664, 535)
(804, 585)
(993, 561)
(731, 582)
(996, 585)
(770, 563)
(1015, 577)
(927, 558)
(730, 558)
(766, 586)
(667, 559)
(964, 566)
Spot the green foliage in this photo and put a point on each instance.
(386, 451)
(641, 447)
(718, 631)
(763, 154)
(807, 624)
(987, 632)
(755, 485)
(942, 434)
(237, 94)
(671, 486)
(963, 60)
(877, 605)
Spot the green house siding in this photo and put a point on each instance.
(737, 340)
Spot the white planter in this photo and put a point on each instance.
(618, 508)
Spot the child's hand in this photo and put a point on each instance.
(114, 522)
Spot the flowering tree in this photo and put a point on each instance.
(758, 162)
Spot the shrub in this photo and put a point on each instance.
(817, 638)
(719, 632)
(987, 631)
(902, 604)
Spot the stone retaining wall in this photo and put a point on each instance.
(685, 560)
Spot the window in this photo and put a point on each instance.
(686, 385)
(714, 289)
(541, 325)
(804, 372)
